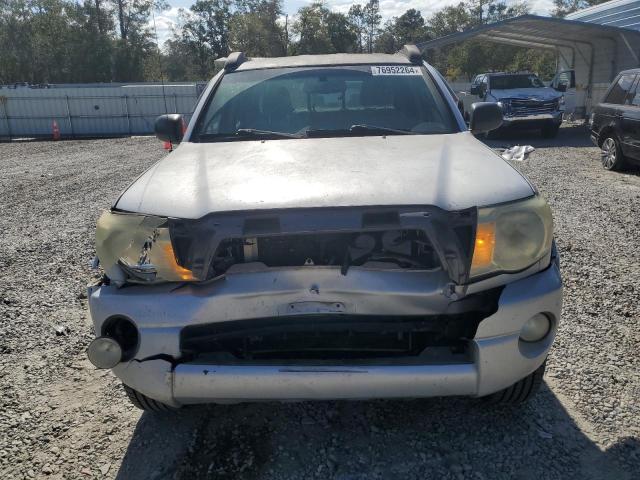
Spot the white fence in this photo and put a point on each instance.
(92, 111)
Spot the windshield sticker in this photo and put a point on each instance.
(395, 70)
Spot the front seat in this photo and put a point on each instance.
(277, 110)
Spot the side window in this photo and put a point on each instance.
(634, 96)
(485, 81)
(618, 93)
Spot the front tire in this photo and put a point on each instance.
(612, 158)
(520, 391)
(551, 130)
(145, 403)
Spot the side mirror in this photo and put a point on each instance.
(169, 127)
(484, 117)
(474, 90)
(562, 87)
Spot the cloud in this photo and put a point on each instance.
(542, 7)
(395, 8)
(165, 22)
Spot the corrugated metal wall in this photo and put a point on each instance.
(100, 111)
(617, 13)
(601, 66)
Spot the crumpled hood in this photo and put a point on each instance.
(541, 93)
(453, 172)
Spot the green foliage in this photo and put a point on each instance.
(211, 29)
(372, 19)
(62, 41)
(356, 18)
(111, 40)
(466, 59)
(312, 30)
(408, 28)
(255, 30)
(342, 35)
(319, 30)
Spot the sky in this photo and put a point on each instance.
(388, 9)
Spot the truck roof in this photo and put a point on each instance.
(334, 59)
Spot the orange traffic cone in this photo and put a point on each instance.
(55, 131)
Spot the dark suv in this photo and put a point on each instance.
(615, 123)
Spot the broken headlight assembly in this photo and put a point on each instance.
(137, 248)
(511, 237)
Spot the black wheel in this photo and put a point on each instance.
(551, 130)
(520, 391)
(612, 158)
(143, 402)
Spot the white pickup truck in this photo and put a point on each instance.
(526, 102)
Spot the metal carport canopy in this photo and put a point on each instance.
(596, 52)
(544, 32)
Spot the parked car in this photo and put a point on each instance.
(615, 123)
(526, 102)
(327, 228)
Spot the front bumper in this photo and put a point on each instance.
(498, 357)
(533, 121)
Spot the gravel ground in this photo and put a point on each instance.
(60, 418)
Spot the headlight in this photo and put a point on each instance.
(561, 100)
(139, 246)
(512, 237)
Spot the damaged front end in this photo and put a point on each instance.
(318, 284)
(364, 302)
(143, 249)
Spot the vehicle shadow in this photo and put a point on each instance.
(435, 438)
(572, 135)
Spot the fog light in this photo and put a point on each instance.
(536, 328)
(104, 352)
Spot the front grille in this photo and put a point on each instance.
(522, 108)
(329, 337)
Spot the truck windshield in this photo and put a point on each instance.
(505, 82)
(336, 101)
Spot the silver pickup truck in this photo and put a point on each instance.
(327, 228)
(526, 102)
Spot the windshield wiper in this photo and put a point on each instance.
(311, 132)
(243, 133)
(253, 132)
(360, 127)
(357, 128)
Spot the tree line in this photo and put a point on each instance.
(82, 41)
